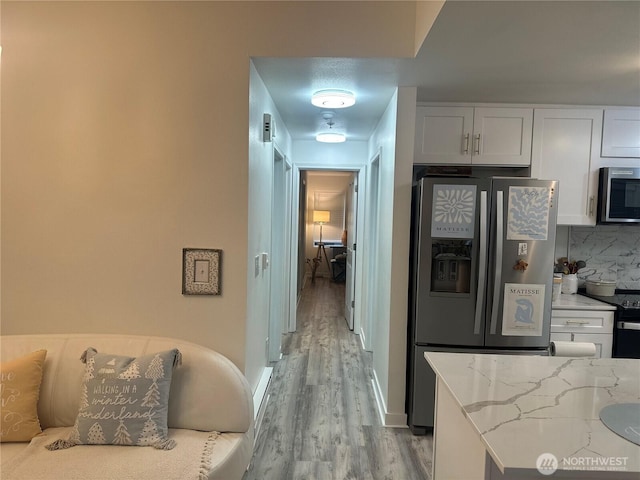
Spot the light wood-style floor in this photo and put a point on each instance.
(320, 421)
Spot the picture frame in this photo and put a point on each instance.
(201, 271)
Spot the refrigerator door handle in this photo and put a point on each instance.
(498, 266)
(482, 263)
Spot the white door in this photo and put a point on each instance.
(369, 267)
(278, 312)
(352, 208)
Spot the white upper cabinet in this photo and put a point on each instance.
(502, 136)
(621, 133)
(443, 135)
(566, 147)
(473, 136)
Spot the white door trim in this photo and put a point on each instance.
(360, 239)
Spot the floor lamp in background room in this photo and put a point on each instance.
(320, 217)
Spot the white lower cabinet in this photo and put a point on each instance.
(593, 326)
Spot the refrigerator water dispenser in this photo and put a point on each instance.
(451, 268)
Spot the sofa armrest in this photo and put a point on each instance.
(208, 392)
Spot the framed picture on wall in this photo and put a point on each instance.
(201, 270)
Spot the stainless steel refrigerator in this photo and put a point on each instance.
(482, 273)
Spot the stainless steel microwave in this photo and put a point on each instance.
(619, 195)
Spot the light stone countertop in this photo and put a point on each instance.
(579, 302)
(524, 406)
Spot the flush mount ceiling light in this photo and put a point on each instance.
(332, 98)
(330, 136)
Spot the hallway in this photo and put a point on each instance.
(321, 421)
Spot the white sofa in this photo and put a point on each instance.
(208, 394)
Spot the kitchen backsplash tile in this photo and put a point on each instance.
(611, 253)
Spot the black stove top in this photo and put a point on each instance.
(626, 334)
(625, 300)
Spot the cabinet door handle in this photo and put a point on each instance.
(577, 322)
(465, 150)
(476, 149)
(591, 202)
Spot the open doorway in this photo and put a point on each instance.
(326, 240)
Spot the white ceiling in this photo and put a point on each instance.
(552, 52)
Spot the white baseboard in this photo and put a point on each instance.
(396, 420)
(382, 408)
(261, 390)
(393, 420)
(260, 399)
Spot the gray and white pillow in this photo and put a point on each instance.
(124, 400)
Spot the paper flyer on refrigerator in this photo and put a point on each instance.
(523, 311)
(454, 208)
(528, 214)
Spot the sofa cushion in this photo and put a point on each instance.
(20, 386)
(124, 400)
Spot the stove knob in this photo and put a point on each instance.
(625, 303)
(636, 303)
